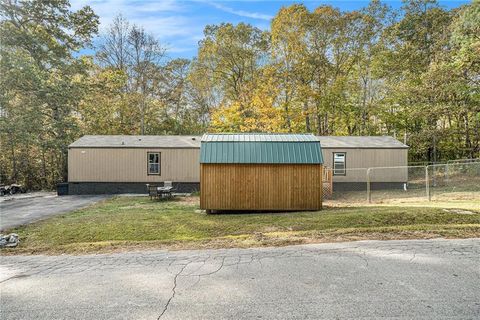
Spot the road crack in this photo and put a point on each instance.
(413, 256)
(212, 272)
(365, 258)
(165, 308)
(18, 276)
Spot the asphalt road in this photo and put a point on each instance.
(434, 279)
(22, 210)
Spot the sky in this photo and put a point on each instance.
(179, 24)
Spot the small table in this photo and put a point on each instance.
(164, 192)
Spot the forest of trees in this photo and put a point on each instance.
(412, 73)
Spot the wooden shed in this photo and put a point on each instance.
(279, 172)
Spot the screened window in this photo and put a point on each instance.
(339, 164)
(153, 165)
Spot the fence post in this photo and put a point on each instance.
(446, 172)
(369, 193)
(330, 178)
(427, 184)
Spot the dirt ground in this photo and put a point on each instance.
(459, 200)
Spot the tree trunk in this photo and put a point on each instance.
(319, 124)
(64, 155)
(287, 112)
(142, 121)
(329, 125)
(307, 117)
(44, 168)
(468, 142)
(14, 163)
(476, 148)
(364, 107)
(53, 161)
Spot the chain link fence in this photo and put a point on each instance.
(350, 185)
(463, 161)
(416, 183)
(459, 179)
(396, 182)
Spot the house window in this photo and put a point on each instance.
(339, 164)
(153, 165)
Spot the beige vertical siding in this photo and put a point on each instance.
(368, 158)
(130, 165)
(261, 187)
(182, 165)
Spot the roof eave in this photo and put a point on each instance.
(130, 147)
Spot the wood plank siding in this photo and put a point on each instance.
(261, 186)
(130, 165)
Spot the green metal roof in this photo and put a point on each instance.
(260, 148)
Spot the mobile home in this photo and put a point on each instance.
(125, 164)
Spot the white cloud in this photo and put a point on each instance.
(177, 24)
(166, 19)
(167, 27)
(129, 5)
(158, 17)
(134, 11)
(241, 13)
(157, 6)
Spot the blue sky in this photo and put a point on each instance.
(179, 24)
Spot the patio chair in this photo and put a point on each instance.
(152, 191)
(169, 184)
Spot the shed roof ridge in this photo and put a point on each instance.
(252, 133)
(259, 137)
(265, 141)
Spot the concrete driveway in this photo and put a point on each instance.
(428, 279)
(23, 209)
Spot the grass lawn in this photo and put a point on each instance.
(123, 223)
